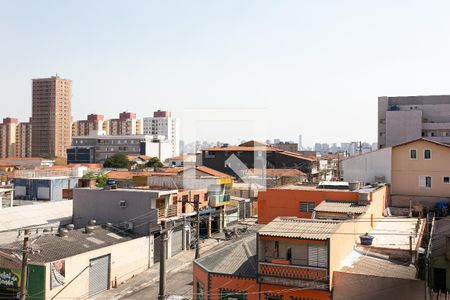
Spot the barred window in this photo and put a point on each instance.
(307, 206)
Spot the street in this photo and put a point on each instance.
(179, 283)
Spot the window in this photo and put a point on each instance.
(427, 154)
(307, 206)
(446, 179)
(200, 290)
(317, 256)
(413, 153)
(425, 181)
(122, 203)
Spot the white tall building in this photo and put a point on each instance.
(300, 142)
(163, 124)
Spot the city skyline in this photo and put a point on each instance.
(255, 54)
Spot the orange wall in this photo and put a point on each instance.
(288, 292)
(274, 203)
(233, 284)
(202, 276)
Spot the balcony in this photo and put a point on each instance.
(218, 200)
(282, 273)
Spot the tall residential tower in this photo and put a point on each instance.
(164, 124)
(51, 117)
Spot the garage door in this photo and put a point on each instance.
(98, 275)
(20, 191)
(177, 240)
(43, 193)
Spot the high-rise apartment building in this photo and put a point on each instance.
(163, 124)
(15, 138)
(8, 135)
(126, 124)
(23, 138)
(51, 117)
(403, 119)
(93, 125)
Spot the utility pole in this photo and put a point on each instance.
(197, 229)
(162, 261)
(23, 274)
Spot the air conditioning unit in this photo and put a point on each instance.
(127, 225)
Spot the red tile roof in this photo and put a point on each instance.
(128, 175)
(211, 172)
(7, 164)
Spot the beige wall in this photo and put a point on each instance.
(127, 259)
(406, 171)
(342, 242)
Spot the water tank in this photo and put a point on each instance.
(353, 186)
(92, 223)
(63, 232)
(70, 227)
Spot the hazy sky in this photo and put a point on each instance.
(314, 67)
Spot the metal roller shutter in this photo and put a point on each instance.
(177, 240)
(98, 275)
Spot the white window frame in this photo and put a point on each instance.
(425, 181)
(410, 153)
(431, 154)
(444, 181)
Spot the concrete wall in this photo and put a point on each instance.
(365, 167)
(403, 126)
(127, 259)
(103, 206)
(55, 185)
(406, 173)
(366, 287)
(274, 203)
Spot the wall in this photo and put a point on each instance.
(342, 242)
(406, 172)
(287, 293)
(365, 167)
(274, 203)
(365, 287)
(127, 260)
(56, 186)
(103, 206)
(403, 126)
(200, 275)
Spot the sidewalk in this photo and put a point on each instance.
(150, 276)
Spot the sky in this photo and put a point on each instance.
(314, 68)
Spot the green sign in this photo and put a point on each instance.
(9, 279)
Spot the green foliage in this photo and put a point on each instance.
(118, 161)
(100, 178)
(154, 162)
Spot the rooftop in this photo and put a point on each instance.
(341, 207)
(54, 247)
(291, 227)
(238, 258)
(357, 263)
(438, 243)
(276, 172)
(394, 233)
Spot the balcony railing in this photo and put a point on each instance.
(292, 275)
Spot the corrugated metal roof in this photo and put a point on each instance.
(292, 227)
(367, 265)
(438, 244)
(341, 207)
(237, 259)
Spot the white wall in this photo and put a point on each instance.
(366, 166)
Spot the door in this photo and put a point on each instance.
(177, 240)
(43, 193)
(98, 275)
(440, 279)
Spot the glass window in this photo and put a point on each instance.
(425, 181)
(307, 206)
(446, 179)
(413, 153)
(427, 154)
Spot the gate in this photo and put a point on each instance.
(177, 240)
(156, 248)
(98, 275)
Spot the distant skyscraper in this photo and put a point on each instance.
(300, 142)
(15, 138)
(162, 123)
(126, 124)
(51, 117)
(93, 125)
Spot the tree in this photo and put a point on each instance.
(154, 162)
(100, 178)
(118, 161)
